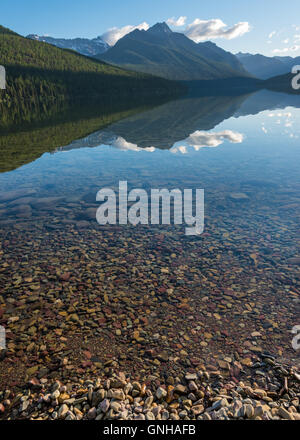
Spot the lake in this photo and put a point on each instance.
(76, 296)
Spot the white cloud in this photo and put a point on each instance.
(114, 34)
(122, 144)
(201, 139)
(297, 38)
(271, 35)
(294, 48)
(290, 41)
(200, 30)
(180, 149)
(179, 22)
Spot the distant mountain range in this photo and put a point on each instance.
(158, 51)
(172, 55)
(83, 46)
(266, 67)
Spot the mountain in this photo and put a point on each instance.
(266, 67)
(83, 46)
(213, 52)
(290, 61)
(42, 78)
(172, 55)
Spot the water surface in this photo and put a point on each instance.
(150, 297)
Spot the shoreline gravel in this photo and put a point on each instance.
(197, 395)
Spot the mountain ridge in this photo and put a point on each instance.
(84, 46)
(264, 67)
(172, 55)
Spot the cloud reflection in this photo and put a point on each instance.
(123, 145)
(202, 139)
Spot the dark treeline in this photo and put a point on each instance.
(42, 79)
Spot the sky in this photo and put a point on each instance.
(270, 27)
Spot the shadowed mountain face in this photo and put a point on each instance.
(172, 55)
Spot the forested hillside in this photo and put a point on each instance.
(42, 78)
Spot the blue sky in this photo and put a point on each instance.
(264, 26)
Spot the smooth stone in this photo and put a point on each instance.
(161, 393)
(62, 411)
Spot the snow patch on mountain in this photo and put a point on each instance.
(83, 46)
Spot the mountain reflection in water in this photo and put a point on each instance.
(184, 120)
